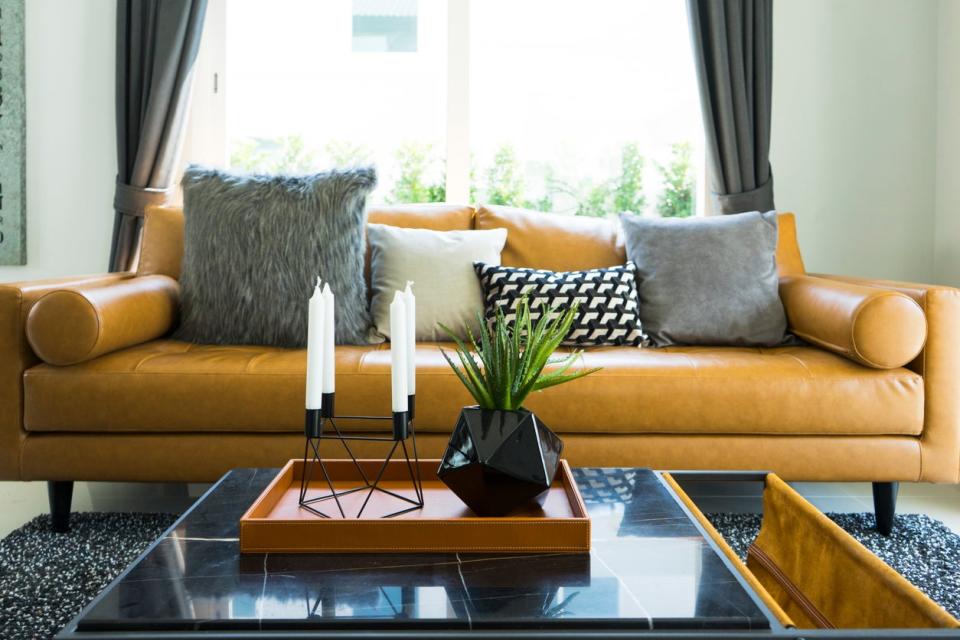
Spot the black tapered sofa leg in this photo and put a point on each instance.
(60, 493)
(885, 505)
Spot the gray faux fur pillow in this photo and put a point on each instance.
(254, 246)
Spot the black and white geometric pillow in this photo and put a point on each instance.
(609, 312)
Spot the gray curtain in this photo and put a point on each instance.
(733, 54)
(157, 44)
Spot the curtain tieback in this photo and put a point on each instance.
(133, 201)
(759, 199)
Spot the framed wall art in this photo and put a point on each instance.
(13, 157)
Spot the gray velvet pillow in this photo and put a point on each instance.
(254, 246)
(710, 280)
(440, 264)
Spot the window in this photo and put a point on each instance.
(558, 105)
(385, 25)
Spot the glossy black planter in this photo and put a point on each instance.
(498, 461)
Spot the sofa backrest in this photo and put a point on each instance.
(161, 245)
(789, 260)
(538, 240)
(558, 243)
(438, 216)
(568, 243)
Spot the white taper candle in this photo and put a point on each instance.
(410, 303)
(398, 352)
(315, 322)
(329, 332)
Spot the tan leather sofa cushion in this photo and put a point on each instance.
(161, 248)
(534, 239)
(939, 364)
(554, 241)
(571, 243)
(72, 325)
(204, 457)
(789, 262)
(16, 300)
(173, 386)
(438, 216)
(875, 327)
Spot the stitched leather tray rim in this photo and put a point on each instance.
(274, 524)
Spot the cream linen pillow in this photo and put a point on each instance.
(440, 264)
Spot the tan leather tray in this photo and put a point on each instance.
(276, 523)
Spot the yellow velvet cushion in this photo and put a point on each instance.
(823, 578)
(68, 326)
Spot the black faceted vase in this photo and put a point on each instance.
(497, 461)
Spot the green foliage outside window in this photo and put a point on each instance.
(545, 202)
(420, 176)
(287, 154)
(676, 200)
(628, 194)
(342, 153)
(416, 161)
(594, 200)
(505, 184)
(598, 200)
(504, 179)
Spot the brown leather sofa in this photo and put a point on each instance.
(91, 389)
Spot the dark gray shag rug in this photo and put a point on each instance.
(47, 578)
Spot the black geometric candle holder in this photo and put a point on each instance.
(318, 426)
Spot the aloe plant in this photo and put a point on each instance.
(508, 363)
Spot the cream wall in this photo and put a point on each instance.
(71, 164)
(71, 152)
(946, 241)
(854, 132)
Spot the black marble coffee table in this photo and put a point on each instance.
(651, 568)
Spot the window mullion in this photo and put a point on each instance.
(458, 102)
(206, 138)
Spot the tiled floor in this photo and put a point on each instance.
(21, 501)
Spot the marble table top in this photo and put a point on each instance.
(650, 568)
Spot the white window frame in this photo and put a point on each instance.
(206, 138)
(458, 101)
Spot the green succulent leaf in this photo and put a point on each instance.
(507, 362)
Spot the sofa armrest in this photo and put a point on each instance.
(75, 324)
(16, 356)
(878, 328)
(939, 364)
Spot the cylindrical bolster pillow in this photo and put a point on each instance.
(876, 327)
(68, 326)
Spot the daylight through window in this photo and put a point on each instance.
(556, 105)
